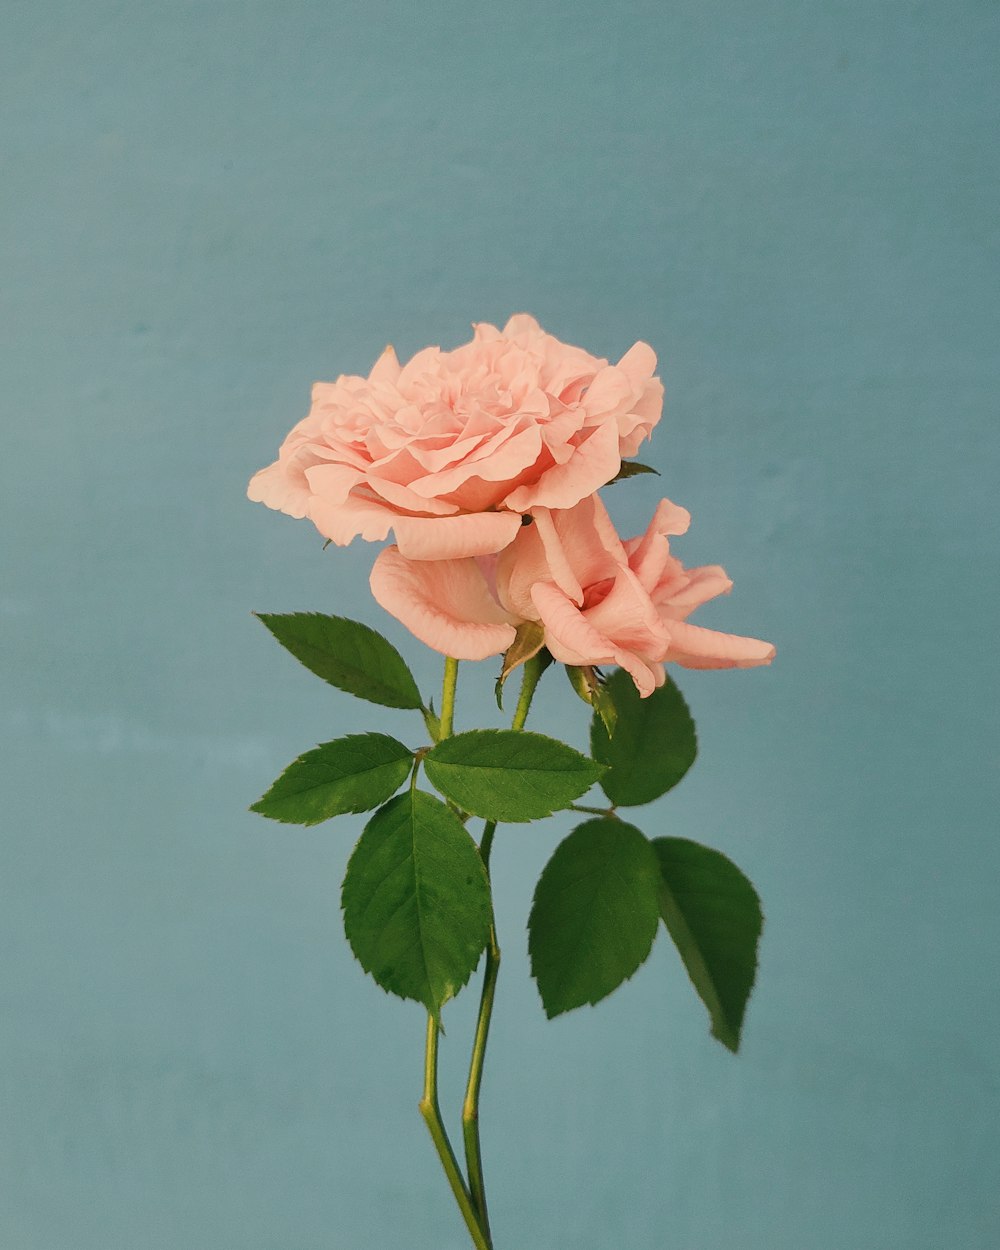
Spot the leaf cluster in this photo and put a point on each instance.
(416, 896)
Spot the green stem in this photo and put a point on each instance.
(431, 1111)
(595, 811)
(470, 1108)
(429, 1106)
(448, 697)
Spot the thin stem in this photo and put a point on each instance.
(431, 1111)
(470, 1108)
(448, 697)
(595, 811)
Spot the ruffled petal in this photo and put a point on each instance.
(280, 490)
(444, 603)
(345, 521)
(648, 556)
(593, 465)
(332, 482)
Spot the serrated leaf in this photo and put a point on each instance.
(347, 654)
(352, 774)
(508, 775)
(632, 468)
(594, 915)
(713, 914)
(653, 744)
(416, 900)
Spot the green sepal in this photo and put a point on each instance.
(529, 638)
(590, 684)
(432, 721)
(632, 468)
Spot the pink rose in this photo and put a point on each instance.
(450, 449)
(600, 601)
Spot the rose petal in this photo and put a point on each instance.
(332, 482)
(649, 554)
(343, 522)
(568, 634)
(638, 364)
(594, 464)
(278, 489)
(573, 640)
(449, 538)
(692, 646)
(444, 603)
(628, 615)
(386, 369)
(691, 590)
(519, 566)
(581, 545)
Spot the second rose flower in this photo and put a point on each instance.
(600, 601)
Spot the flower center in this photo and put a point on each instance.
(597, 592)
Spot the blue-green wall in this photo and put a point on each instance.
(206, 206)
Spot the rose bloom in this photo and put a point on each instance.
(599, 600)
(451, 448)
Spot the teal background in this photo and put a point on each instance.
(205, 207)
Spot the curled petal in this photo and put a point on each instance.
(444, 603)
(568, 634)
(454, 537)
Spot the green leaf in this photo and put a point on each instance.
(653, 745)
(416, 900)
(595, 914)
(348, 655)
(632, 468)
(503, 774)
(713, 914)
(352, 774)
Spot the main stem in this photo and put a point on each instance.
(431, 1111)
(430, 1107)
(470, 1107)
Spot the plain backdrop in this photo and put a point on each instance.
(206, 206)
